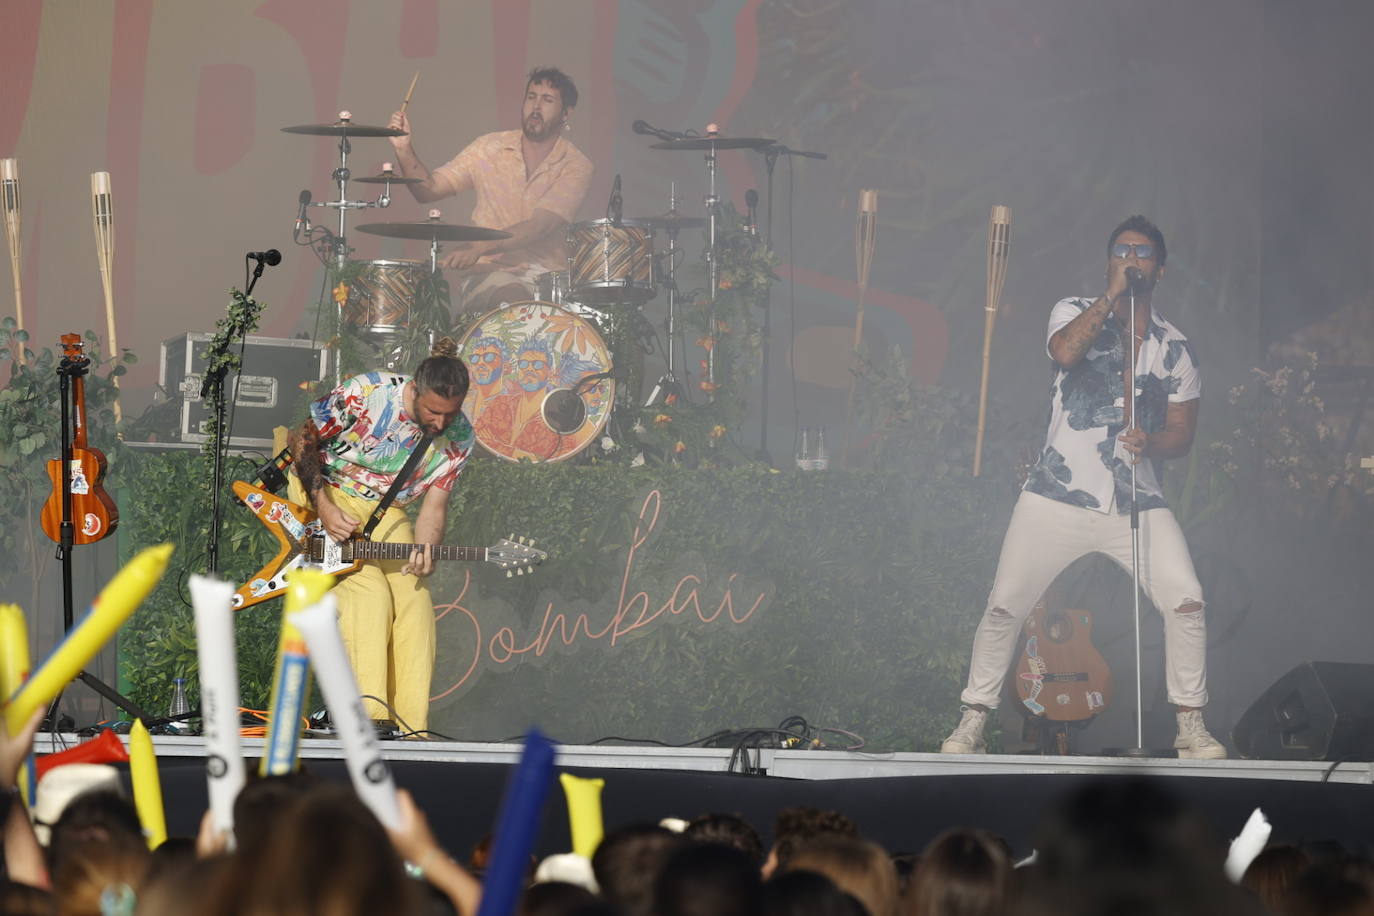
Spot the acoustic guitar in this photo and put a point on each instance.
(1060, 675)
(94, 514)
(302, 542)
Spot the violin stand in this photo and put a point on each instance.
(68, 369)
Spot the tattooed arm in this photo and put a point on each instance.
(1074, 339)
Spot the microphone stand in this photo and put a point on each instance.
(214, 385)
(1139, 750)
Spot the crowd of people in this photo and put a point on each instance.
(306, 845)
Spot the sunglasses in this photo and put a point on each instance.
(1143, 250)
(486, 357)
(531, 364)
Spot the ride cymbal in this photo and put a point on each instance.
(707, 143)
(427, 230)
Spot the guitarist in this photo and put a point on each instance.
(348, 455)
(1077, 499)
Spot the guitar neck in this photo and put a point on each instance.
(378, 550)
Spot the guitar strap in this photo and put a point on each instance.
(401, 478)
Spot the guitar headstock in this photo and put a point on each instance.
(516, 555)
(73, 349)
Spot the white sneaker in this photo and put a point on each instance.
(967, 737)
(1194, 741)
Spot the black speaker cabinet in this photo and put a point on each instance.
(1317, 711)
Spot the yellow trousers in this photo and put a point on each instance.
(387, 621)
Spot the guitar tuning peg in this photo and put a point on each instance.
(520, 572)
(532, 542)
(509, 574)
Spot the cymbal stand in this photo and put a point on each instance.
(712, 210)
(667, 382)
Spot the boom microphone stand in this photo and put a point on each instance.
(213, 386)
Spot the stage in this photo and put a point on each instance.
(901, 800)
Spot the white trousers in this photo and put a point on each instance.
(1044, 537)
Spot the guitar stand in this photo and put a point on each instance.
(68, 369)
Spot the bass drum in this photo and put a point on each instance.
(528, 400)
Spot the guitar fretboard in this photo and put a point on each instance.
(378, 550)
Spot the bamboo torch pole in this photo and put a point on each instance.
(9, 174)
(865, 238)
(999, 243)
(102, 219)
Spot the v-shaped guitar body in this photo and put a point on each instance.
(294, 527)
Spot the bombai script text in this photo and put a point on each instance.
(607, 624)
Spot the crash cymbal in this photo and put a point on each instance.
(344, 129)
(388, 177)
(715, 143)
(428, 230)
(670, 220)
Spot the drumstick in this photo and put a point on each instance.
(999, 244)
(102, 219)
(9, 172)
(865, 237)
(406, 100)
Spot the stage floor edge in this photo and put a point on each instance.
(795, 764)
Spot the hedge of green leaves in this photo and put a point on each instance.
(874, 583)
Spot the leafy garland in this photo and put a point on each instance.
(221, 355)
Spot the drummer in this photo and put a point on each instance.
(529, 182)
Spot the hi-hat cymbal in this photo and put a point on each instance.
(386, 178)
(344, 129)
(714, 143)
(427, 230)
(670, 220)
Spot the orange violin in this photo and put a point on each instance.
(94, 514)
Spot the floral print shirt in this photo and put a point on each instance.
(366, 437)
(1082, 462)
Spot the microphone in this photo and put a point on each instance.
(1135, 279)
(271, 257)
(303, 217)
(751, 201)
(615, 206)
(644, 127)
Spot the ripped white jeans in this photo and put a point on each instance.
(1044, 537)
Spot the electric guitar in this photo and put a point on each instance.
(304, 544)
(94, 514)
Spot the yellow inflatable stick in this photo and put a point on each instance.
(14, 649)
(147, 785)
(291, 682)
(114, 605)
(584, 812)
(14, 669)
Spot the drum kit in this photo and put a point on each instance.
(543, 376)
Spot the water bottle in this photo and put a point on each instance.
(804, 450)
(179, 705)
(821, 460)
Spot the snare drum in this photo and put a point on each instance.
(520, 354)
(611, 264)
(381, 296)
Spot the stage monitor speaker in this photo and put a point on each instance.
(1317, 711)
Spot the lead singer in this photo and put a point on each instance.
(1077, 499)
